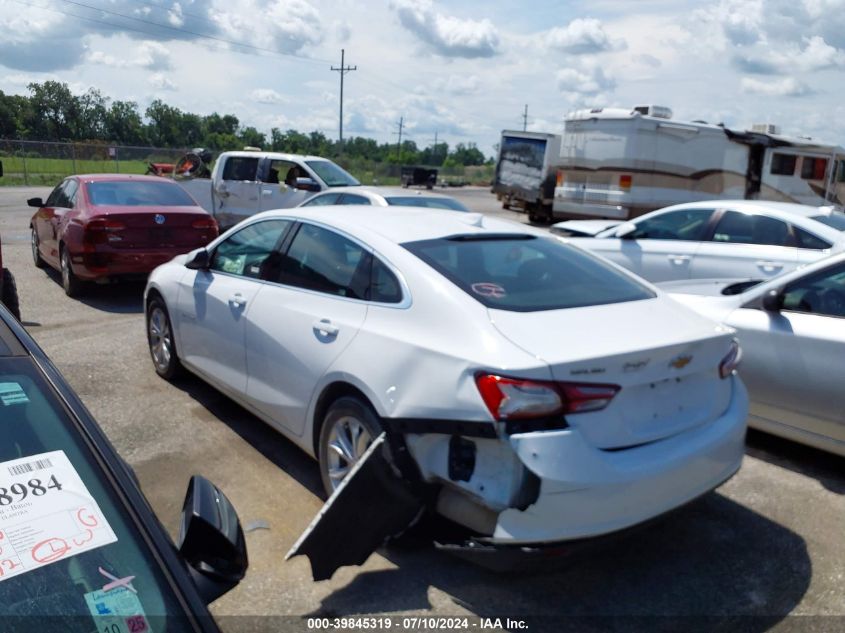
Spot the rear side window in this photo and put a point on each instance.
(384, 287)
(683, 224)
(431, 203)
(745, 228)
(523, 273)
(241, 168)
(321, 201)
(808, 240)
(835, 220)
(783, 164)
(350, 199)
(322, 260)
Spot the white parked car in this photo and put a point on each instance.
(542, 393)
(384, 197)
(717, 239)
(793, 340)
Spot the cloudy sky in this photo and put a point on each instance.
(462, 69)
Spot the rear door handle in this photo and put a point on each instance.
(237, 300)
(769, 266)
(325, 327)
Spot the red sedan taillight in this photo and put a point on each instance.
(514, 398)
(204, 223)
(97, 231)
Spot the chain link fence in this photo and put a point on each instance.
(46, 163)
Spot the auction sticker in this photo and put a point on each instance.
(46, 514)
(117, 611)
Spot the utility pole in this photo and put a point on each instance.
(524, 114)
(342, 70)
(400, 125)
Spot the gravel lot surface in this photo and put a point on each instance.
(770, 543)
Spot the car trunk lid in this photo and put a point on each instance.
(134, 227)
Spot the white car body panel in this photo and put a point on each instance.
(792, 362)
(676, 432)
(660, 260)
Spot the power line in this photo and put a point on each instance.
(342, 70)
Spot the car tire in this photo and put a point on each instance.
(36, 254)
(72, 285)
(161, 342)
(10, 294)
(348, 428)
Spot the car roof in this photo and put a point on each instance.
(387, 192)
(404, 223)
(275, 155)
(121, 178)
(800, 215)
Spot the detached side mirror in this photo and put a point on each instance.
(211, 540)
(773, 301)
(1, 168)
(35, 202)
(308, 184)
(199, 259)
(625, 231)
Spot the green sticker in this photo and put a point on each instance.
(12, 393)
(118, 610)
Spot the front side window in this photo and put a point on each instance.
(746, 228)
(249, 252)
(241, 168)
(355, 200)
(70, 190)
(822, 293)
(53, 198)
(683, 224)
(322, 260)
(783, 164)
(524, 273)
(63, 524)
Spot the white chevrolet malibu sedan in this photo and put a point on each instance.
(541, 393)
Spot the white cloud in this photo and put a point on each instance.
(786, 87)
(582, 35)
(153, 56)
(268, 96)
(447, 35)
(586, 83)
(815, 55)
(283, 25)
(160, 82)
(456, 85)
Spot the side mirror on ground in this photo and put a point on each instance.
(211, 540)
(1, 168)
(308, 184)
(199, 259)
(625, 230)
(773, 300)
(35, 202)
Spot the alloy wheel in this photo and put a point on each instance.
(348, 441)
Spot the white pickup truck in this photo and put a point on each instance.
(246, 182)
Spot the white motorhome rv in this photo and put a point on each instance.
(617, 163)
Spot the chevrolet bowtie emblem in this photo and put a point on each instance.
(680, 362)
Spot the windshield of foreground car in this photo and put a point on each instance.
(138, 194)
(431, 203)
(65, 534)
(332, 175)
(524, 273)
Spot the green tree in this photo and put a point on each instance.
(124, 124)
(90, 119)
(165, 124)
(251, 137)
(53, 111)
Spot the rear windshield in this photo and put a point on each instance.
(137, 194)
(523, 273)
(836, 220)
(331, 174)
(431, 203)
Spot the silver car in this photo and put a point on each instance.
(384, 197)
(792, 333)
(717, 239)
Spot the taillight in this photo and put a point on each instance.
(625, 181)
(97, 231)
(514, 398)
(731, 361)
(204, 224)
(561, 176)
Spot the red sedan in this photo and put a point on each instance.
(104, 227)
